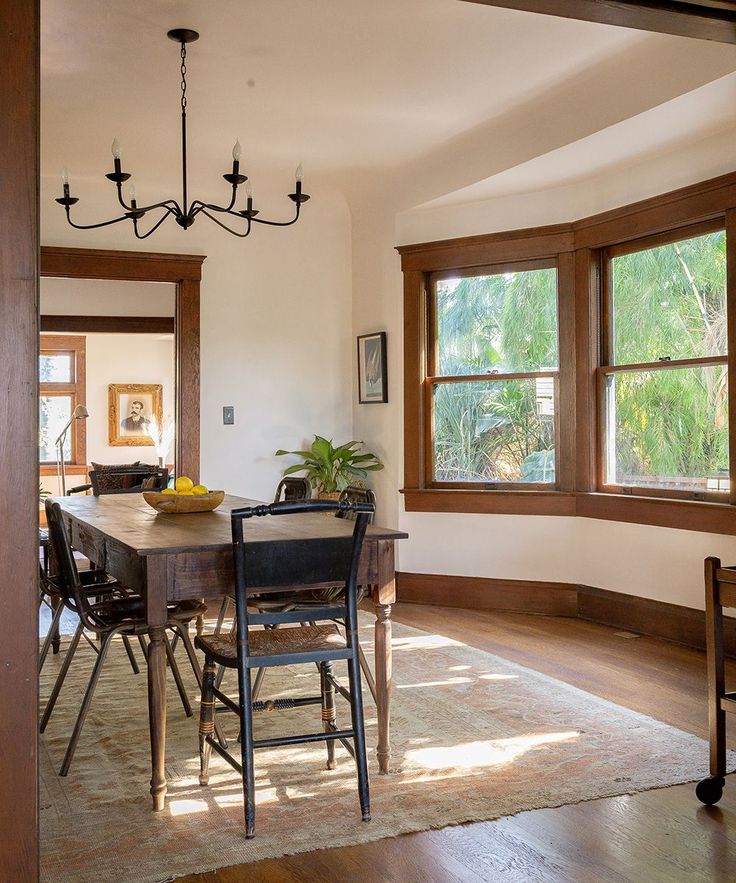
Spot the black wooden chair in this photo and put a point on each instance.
(293, 489)
(316, 597)
(329, 560)
(128, 479)
(290, 489)
(112, 616)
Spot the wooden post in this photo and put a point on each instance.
(19, 77)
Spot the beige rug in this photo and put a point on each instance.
(474, 737)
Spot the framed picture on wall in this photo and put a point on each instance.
(372, 373)
(132, 406)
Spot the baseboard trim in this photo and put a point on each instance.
(644, 616)
(484, 593)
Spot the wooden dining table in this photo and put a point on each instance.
(172, 557)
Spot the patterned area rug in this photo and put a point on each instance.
(475, 737)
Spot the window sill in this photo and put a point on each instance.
(500, 502)
(719, 518)
(706, 517)
(69, 469)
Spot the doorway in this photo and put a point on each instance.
(185, 272)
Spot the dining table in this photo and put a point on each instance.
(172, 557)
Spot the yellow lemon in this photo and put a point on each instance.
(168, 490)
(186, 494)
(199, 489)
(184, 484)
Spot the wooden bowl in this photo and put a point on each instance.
(179, 504)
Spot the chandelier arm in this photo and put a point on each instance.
(278, 223)
(94, 226)
(212, 207)
(153, 229)
(170, 204)
(225, 227)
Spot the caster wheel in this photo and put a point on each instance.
(710, 790)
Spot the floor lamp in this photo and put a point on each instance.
(79, 413)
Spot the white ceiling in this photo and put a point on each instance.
(353, 88)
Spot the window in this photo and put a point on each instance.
(492, 377)
(664, 353)
(61, 389)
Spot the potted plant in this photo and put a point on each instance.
(331, 469)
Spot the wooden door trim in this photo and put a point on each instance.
(19, 210)
(185, 271)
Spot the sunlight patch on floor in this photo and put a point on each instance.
(482, 754)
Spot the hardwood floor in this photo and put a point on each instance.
(663, 835)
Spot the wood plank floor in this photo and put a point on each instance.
(664, 835)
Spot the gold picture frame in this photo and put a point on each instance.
(130, 410)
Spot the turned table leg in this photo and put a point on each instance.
(156, 617)
(383, 596)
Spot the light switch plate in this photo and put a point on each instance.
(228, 415)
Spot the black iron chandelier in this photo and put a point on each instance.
(186, 213)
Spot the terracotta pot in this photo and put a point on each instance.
(328, 495)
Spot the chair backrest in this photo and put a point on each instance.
(354, 494)
(318, 560)
(128, 479)
(64, 576)
(292, 489)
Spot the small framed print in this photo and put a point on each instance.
(132, 406)
(372, 373)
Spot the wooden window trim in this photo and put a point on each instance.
(578, 249)
(68, 343)
(608, 367)
(432, 377)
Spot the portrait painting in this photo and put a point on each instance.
(132, 407)
(372, 374)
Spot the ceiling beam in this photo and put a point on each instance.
(702, 19)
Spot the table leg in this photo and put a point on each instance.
(156, 618)
(383, 596)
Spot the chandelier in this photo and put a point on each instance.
(186, 213)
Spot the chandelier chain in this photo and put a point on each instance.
(183, 77)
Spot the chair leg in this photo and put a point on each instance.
(177, 677)
(206, 720)
(60, 677)
(131, 657)
(329, 715)
(51, 635)
(56, 637)
(258, 683)
(144, 647)
(367, 673)
(71, 748)
(183, 630)
(246, 749)
(222, 614)
(356, 713)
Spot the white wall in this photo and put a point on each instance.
(276, 330)
(105, 297)
(125, 358)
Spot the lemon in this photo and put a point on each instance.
(184, 484)
(185, 494)
(199, 489)
(168, 490)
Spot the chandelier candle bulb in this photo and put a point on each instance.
(237, 150)
(299, 174)
(132, 195)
